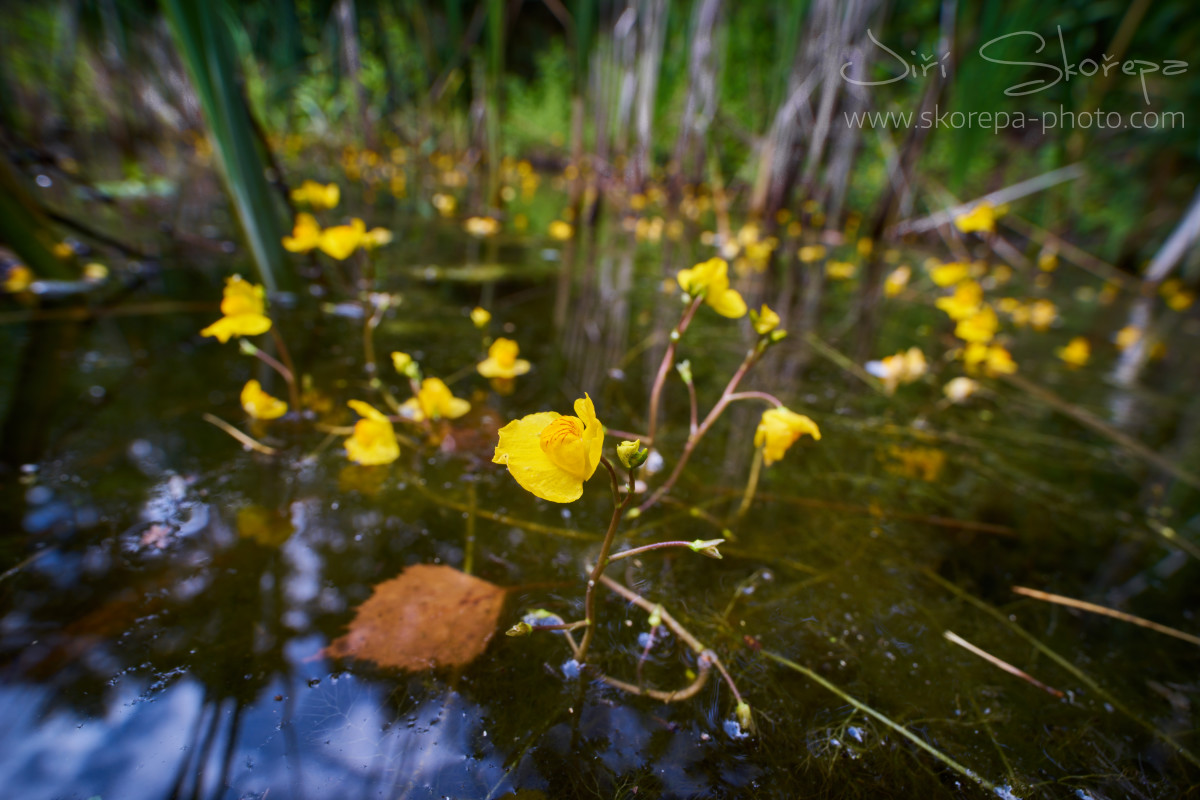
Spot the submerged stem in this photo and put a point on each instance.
(589, 603)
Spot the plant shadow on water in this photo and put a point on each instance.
(170, 596)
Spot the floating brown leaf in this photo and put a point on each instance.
(427, 616)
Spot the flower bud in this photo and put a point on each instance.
(764, 321)
(707, 547)
(684, 368)
(247, 347)
(743, 716)
(520, 629)
(401, 361)
(632, 454)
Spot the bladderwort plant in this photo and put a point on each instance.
(552, 456)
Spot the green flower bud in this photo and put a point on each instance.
(632, 454)
(707, 547)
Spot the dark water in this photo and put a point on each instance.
(167, 594)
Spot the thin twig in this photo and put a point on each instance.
(951, 636)
(246, 440)
(1083, 605)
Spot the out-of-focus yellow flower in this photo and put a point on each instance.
(980, 219)
(1076, 353)
(306, 234)
(373, 441)
(63, 251)
(445, 204)
(896, 280)
(260, 405)
(18, 278)
(840, 270)
(244, 308)
(964, 303)
(480, 317)
(1042, 314)
(502, 361)
(434, 401)
(376, 237)
(341, 241)
(1177, 297)
(811, 252)
(316, 195)
(865, 247)
(923, 463)
(950, 274)
(779, 429)
(991, 360)
(481, 227)
(1047, 261)
(401, 361)
(959, 389)
(764, 321)
(551, 455)
(979, 327)
(902, 368)
(94, 272)
(711, 279)
(1127, 337)
(560, 231)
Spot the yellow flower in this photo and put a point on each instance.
(779, 429)
(711, 278)
(959, 389)
(445, 204)
(1177, 297)
(840, 270)
(316, 195)
(896, 280)
(979, 327)
(965, 301)
(481, 227)
(401, 361)
(376, 237)
(244, 310)
(434, 401)
(994, 359)
(18, 279)
(341, 241)
(1042, 314)
(552, 455)
(373, 441)
(560, 230)
(259, 404)
(1127, 337)
(904, 367)
(950, 274)
(1076, 353)
(981, 218)
(94, 272)
(480, 317)
(764, 321)
(1047, 261)
(502, 361)
(63, 251)
(306, 234)
(811, 252)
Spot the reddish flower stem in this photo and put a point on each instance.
(589, 602)
(665, 367)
